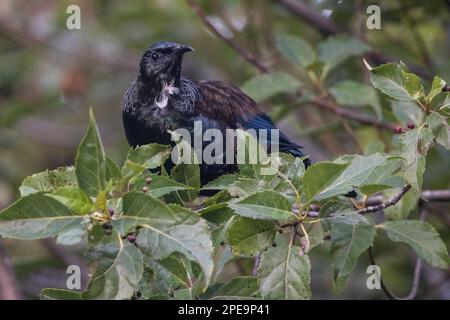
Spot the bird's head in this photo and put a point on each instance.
(161, 63)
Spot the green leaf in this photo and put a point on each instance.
(75, 199)
(353, 94)
(318, 177)
(351, 235)
(149, 156)
(266, 205)
(295, 49)
(404, 207)
(440, 128)
(421, 237)
(436, 88)
(112, 170)
(164, 229)
(407, 111)
(222, 182)
(249, 236)
(361, 171)
(336, 49)
(414, 148)
(394, 81)
(176, 272)
(49, 181)
(90, 162)
(159, 186)
(284, 274)
(262, 87)
(119, 268)
(189, 175)
(36, 216)
(59, 294)
(240, 288)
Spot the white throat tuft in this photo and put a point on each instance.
(163, 97)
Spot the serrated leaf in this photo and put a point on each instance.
(73, 198)
(295, 49)
(436, 88)
(90, 162)
(49, 181)
(262, 87)
(119, 269)
(164, 229)
(240, 288)
(112, 170)
(266, 205)
(351, 235)
(248, 236)
(159, 186)
(403, 208)
(149, 156)
(336, 49)
(284, 274)
(189, 175)
(440, 128)
(36, 216)
(421, 237)
(407, 111)
(394, 81)
(59, 294)
(360, 171)
(318, 177)
(351, 93)
(414, 148)
(222, 182)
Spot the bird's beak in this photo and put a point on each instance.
(182, 49)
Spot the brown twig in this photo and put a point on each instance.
(9, 289)
(386, 204)
(240, 50)
(348, 114)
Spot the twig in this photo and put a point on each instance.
(330, 106)
(241, 51)
(386, 204)
(256, 265)
(9, 289)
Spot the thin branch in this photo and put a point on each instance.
(256, 265)
(240, 50)
(346, 113)
(9, 289)
(386, 204)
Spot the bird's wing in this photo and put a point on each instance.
(224, 102)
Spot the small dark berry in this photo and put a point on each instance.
(111, 211)
(107, 226)
(131, 237)
(144, 189)
(398, 130)
(148, 180)
(411, 125)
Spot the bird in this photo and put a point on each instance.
(160, 100)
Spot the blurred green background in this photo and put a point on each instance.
(50, 76)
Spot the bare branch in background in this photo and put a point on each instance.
(386, 204)
(9, 289)
(241, 51)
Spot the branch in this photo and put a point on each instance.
(386, 204)
(241, 51)
(9, 289)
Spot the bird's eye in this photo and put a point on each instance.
(154, 56)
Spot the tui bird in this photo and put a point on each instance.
(160, 99)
